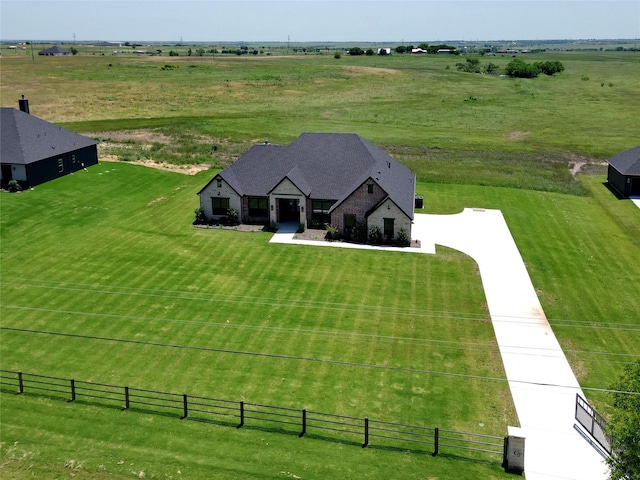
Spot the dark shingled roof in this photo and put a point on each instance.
(628, 162)
(27, 139)
(54, 50)
(327, 166)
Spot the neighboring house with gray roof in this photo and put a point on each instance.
(624, 172)
(34, 151)
(320, 178)
(55, 51)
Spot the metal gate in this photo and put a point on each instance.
(593, 422)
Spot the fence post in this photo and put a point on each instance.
(304, 423)
(20, 383)
(436, 441)
(366, 432)
(126, 397)
(185, 407)
(505, 452)
(241, 415)
(73, 390)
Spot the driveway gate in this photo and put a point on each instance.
(593, 422)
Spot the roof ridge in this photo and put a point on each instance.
(18, 133)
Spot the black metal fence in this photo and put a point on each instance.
(355, 430)
(593, 422)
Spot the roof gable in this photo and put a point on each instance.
(628, 162)
(297, 179)
(27, 139)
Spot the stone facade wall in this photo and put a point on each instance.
(389, 209)
(224, 191)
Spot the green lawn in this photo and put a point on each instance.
(582, 255)
(417, 101)
(95, 261)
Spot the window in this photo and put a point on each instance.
(320, 212)
(219, 206)
(258, 207)
(388, 227)
(60, 165)
(219, 183)
(321, 207)
(349, 221)
(369, 187)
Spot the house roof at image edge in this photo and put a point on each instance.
(627, 162)
(327, 166)
(27, 139)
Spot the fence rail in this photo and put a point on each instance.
(355, 430)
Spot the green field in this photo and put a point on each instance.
(96, 260)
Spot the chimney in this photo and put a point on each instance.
(24, 104)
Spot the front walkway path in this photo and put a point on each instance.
(542, 383)
(636, 200)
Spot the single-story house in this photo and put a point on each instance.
(624, 172)
(55, 51)
(321, 178)
(384, 51)
(34, 151)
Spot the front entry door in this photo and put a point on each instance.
(289, 210)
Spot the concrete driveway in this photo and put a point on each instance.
(541, 381)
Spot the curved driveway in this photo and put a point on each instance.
(541, 381)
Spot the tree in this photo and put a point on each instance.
(491, 68)
(355, 51)
(624, 425)
(550, 67)
(521, 69)
(472, 65)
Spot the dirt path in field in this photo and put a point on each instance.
(186, 169)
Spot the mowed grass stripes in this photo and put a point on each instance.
(582, 255)
(121, 288)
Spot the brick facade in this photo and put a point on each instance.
(358, 204)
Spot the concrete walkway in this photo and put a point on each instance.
(541, 381)
(636, 200)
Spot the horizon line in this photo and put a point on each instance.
(286, 42)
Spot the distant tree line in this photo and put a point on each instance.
(355, 51)
(515, 68)
(430, 49)
(521, 69)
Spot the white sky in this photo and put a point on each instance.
(318, 20)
